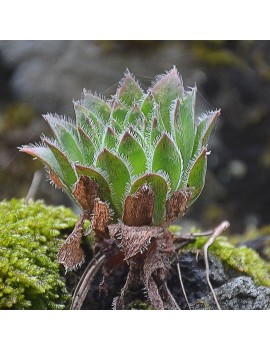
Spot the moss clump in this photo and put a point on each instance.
(256, 238)
(242, 259)
(29, 241)
(139, 305)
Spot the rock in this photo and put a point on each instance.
(238, 294)
(234, 291)
(194, 278)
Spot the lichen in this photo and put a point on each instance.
(29, 241)
(243, 259)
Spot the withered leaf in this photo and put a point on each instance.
(139, 207)
(71, 254)
(86, 191)
(101, 216)
(134, 240)
(153, 263)
(176, 206)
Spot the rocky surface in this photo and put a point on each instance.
(234, 291)
(237, 294)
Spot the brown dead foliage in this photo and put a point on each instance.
(139, 207)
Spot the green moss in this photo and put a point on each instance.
(175, 229)
(242, 259)
(29, 242)
(139, 305)
(262, 235)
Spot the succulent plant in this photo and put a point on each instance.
(134, 163)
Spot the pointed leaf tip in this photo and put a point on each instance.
(166, 89)
(170, 80)
(97, 105)
(129, 89)
(67, 171)
(46, 156)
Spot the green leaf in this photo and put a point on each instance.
(148, 105)
(167, 158)
(89, 121)
(133, 152)
(196, 178)
(166, 89)
(138, 135)
(118, 175)
(155, 131)
(115, 126)
(129, 90)
(184, 128)
(136, 120)
(204, 130)
(119, 113)
(69, 176)
(110, 138)
(176, 122)
(46, 156)
(160, 188)
(94, 129)
(98, 177)
(87, 147)
(81, 112)
(134, 116)
(97, 105)
(65, 133)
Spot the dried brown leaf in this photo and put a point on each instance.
(134, 240)
(101, 216)
(139, 207)
(71, 254)
(176, 206)
(86, 191)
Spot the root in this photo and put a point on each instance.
(184, 239)
(148, 252)
(86, 281)
(216, 232)
(182, 285)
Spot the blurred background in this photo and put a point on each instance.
(37, 77)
